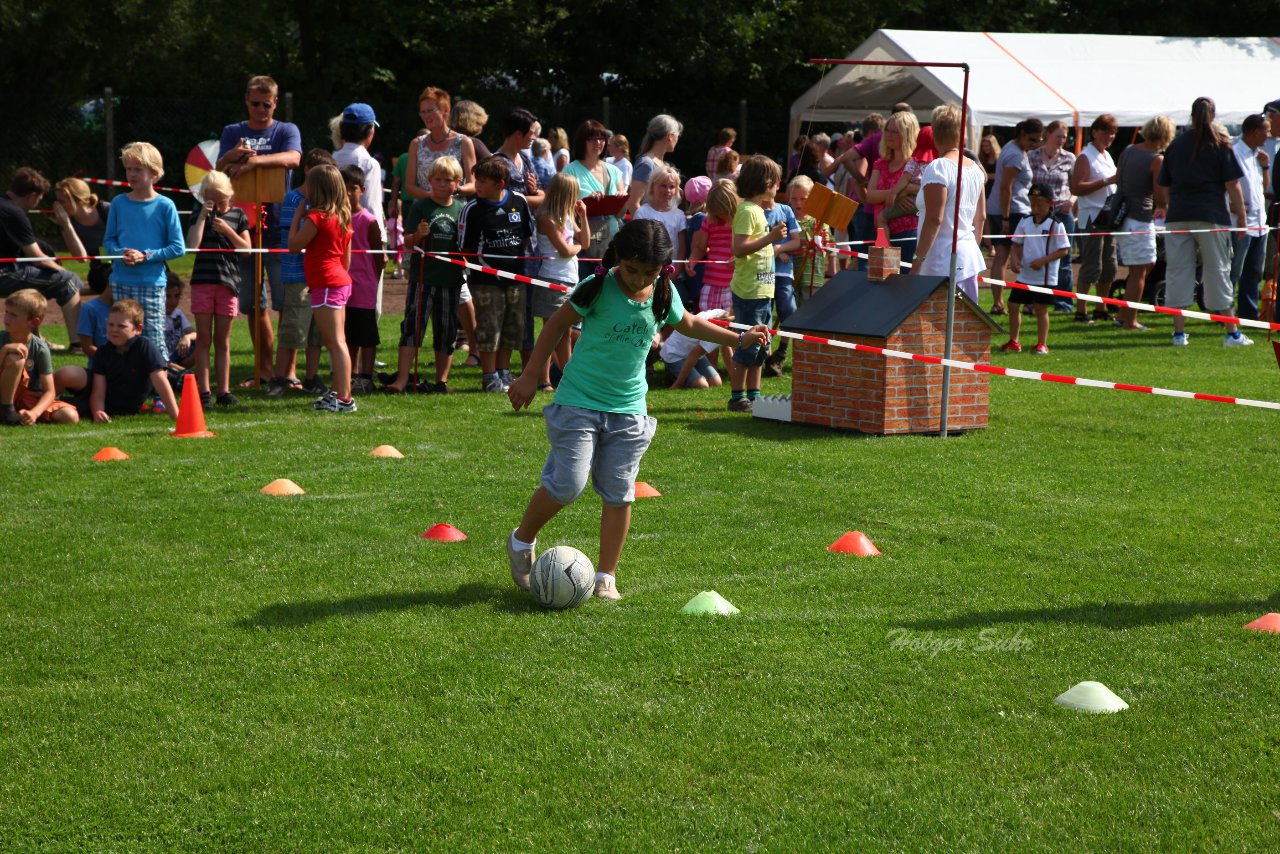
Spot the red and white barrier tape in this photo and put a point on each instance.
(981, 367)
(111, 183)
(515, 277)
(1119, 303)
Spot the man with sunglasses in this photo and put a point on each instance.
(257, 142)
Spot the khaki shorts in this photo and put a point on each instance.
(296, 329)
(499, 316)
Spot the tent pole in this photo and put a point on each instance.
(955, 245)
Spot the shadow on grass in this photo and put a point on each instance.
(763, 428)
(289, 615)
(1119, 615)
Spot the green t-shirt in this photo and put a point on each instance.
(39, 360)
(399, 169)
(606, 373)
(752, 274)
(443, 238)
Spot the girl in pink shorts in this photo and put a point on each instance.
(324, 232)
(215, 282)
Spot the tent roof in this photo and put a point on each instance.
(1074, 78)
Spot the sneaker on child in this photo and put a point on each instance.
(521, 561)
(1180, 339)
(1236, 339)
(607, 588)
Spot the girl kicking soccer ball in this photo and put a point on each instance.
(597, 424)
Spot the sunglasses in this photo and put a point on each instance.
(262, 105)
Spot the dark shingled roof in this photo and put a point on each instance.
(850, 304)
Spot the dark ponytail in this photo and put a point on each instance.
(642, 240)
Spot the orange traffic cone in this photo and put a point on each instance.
(854, 543)
(191, 413)
(387, 452)
(644, 490)
(1266, 623)
(110, 454)
(444, 533)
(282, 486)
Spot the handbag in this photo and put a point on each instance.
(1116, 210)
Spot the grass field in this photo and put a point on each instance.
(190, 665)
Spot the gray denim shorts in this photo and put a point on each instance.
(607, 446)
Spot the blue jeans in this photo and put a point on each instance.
(908, 247)
(861, 227)
(1246, 271)
(1064, 269)
(784, 295)
(751, 312)
(272, 282)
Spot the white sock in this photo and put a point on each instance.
(603, 576)
(519, 545)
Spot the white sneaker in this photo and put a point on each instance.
(521, 563)
(1237, 339)
(1180, 339)
(607, 588)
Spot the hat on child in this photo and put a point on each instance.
(1039, 191)
(359, 114)
(696, 189)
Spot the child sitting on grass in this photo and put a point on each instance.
(27, 390)
(179, 334)
(361, 325)
(123, 370)
(598, 425)
(1039, 244)
(687, 359)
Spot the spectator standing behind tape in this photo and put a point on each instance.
(596, 179)
(1094, 181)
(1051, 167)
(892, 175)
(1144, 202)
(82, 218)
(470, 118)
(1272, 148)
(936, 203)
(1248, 246)
(1008, 202)
(439, 141)
(660, 138)
(1201, 173)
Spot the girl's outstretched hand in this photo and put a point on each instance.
(522, 391)
(760, 333)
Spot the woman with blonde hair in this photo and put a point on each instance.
(470, 118)
(936, 202)
(1144, 202)
(895, 174)
(82, 219)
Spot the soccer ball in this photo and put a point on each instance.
(562, 578)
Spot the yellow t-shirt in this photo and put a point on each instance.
(752, 274)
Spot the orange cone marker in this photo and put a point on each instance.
(110, 454)
(881, 240)
(191, 413)
(644, 490)
(1266, 623)
(389, 452)
(854, 543)
(443, 533)
(282, 486)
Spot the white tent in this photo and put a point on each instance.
(1074, 78)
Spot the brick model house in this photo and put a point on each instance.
(871, 393)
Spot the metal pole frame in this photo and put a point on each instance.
(955, 224)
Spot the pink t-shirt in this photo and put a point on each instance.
(887, 180)
(364, 266)
(719, 248)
